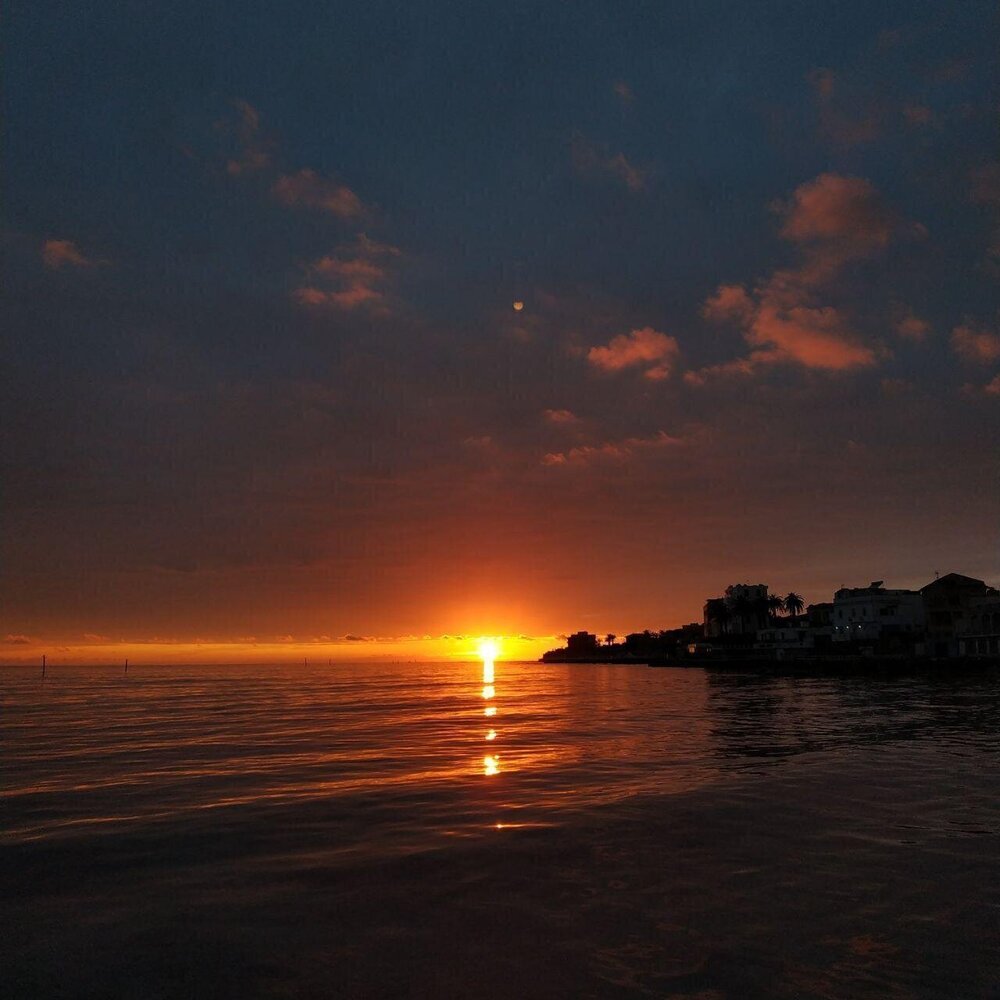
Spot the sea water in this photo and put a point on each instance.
(431, 830)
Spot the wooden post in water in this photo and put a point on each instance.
(126, 664)
(43, 664)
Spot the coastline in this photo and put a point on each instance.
(818, 665)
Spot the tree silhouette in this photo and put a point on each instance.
(794, 604)
(775, 605)
(610, 638)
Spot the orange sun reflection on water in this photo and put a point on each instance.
(488, 650)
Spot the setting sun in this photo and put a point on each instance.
(488, 649)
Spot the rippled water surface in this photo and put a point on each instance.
(428, 830)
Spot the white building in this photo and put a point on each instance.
(980, 634)
(872, 613)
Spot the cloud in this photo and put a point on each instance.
(350, 278)
(993, 387)
(348, 298)
(16, 640)
(94, 637)
(647, 347)
(252, 153)
(919, 115)
(912, 327)
(57, 253)
(594, 159)
(986, 191)
(306, 189)
(846, 118)
(561, 417)
(986, 184)
(730, 302)
(975, 343)
(832, 221)
(843, 214)
(613, 450)
(623, 91)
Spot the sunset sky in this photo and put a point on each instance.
(267, 389)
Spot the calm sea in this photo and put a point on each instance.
(422, 830)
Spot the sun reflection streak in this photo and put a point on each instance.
(488, 651)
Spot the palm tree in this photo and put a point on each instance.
(775, 605)
(794, 604)
(610, 638)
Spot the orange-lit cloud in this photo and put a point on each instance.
(993, 387)
(16, 640)
(350, 278)
(912, 327)
(307, 189)
(60, 253)
(561, 417)
(656, 352)
(832, 221)
(974, 343)
(615, 450)
(843, 214)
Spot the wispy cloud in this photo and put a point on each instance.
(561, 417)
(656, 352)
(846, 117)
(65, 253)
(252, 153)
(623, 92)
(307, 189)
(594, 159)
(975, 343)
(352, 277)
(613, 450)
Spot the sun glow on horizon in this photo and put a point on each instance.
(488, 650)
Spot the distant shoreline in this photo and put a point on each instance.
(796, 665)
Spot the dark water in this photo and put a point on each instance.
(340, 831)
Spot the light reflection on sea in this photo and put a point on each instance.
(629, 831)
(90, 746)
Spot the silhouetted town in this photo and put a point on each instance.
(954, 617)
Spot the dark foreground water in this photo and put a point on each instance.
(351, 831)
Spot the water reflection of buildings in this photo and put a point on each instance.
(491, 762)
